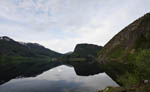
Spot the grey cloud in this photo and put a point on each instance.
(51, 22)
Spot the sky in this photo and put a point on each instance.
(61, 24)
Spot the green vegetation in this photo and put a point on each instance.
(83, 53)
(126, 56)
(116, 54)
(77, 59)
(129, 68)
(84, 50)
(18, 66)
(139, 65)
(24, 59)
(141, 88)
(9, 47)
(11, 63)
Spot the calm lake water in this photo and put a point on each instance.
(59, 79)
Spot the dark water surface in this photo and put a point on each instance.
(59, 79)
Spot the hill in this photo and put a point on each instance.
(126, 57)
(84, 50)
(10, 47)
(19, 59)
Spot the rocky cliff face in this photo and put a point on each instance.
(134, 36)
(125, 55)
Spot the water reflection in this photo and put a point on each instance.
(59, 79)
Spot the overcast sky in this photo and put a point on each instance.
(61, 24)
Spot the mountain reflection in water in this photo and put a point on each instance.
(60, 79)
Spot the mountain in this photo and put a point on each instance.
(10, 47)
(41, 50)
(83, 59)
(18, 59)
(87, 50)
(83, 51)
(126, 57)
(68, 53)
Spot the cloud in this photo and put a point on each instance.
(61, 24)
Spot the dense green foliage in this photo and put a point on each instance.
(139, 63)
(129, 67)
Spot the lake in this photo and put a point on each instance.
(62, 78)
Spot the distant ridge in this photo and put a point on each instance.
(10, 47)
